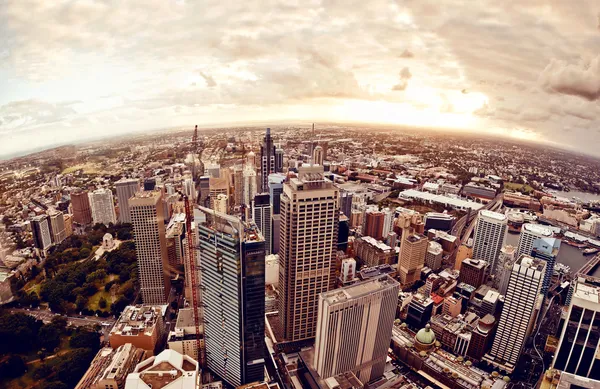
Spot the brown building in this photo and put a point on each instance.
(110, 367)
(140, 325)
(473, 272)
(481, 337)
(82, 212)
(373, 252)
(374, 225)
(68, 224)
(412, 258)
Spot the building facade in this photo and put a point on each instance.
(267, 161)
(80, 203)
(103, 206)
(412, 258)
(490, 236)
(125, 190)
(261, 214)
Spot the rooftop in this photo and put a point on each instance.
(492, 215)
(359, 289)
(137, 320)
(164, 370)
(537, 229)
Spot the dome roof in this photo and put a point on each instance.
(425, 335)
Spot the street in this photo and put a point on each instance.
(77, 321)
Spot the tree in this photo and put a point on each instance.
(102, 303)
(54, 385)
(71, 366)
(49, 337)
(12, 367)
(84, 253)
(82, 338)
(60, 323)
(80, 302)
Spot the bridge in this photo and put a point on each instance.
(590, 266)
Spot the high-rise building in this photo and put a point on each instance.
(125, 190)
(388, 221)
(412, 258)
(473, 272)
(354, 327)
(489, 238)
(140, 325)
(221, 203)
(318, 156)
(519, 313)
(529, 233)
(279, 159)
(481, 337)
(204, 191)
(249, 185)
(82, 213)
(261, 213)
(308, 241)
(546, 249)
(175, 238)
(57, 226)
(188, 188)
(267, 161)
(150, 184)
(434, 256)
(147, 216)
(346, 202)
(42, 232)
(275, 189)
(103, 206)
(217, 186)
(251, 160)
(183, 338)
(68, 224)
(374, 221)
(348, 271)
(579, 340)
(506, 260)
(238, 185)
(232, 254)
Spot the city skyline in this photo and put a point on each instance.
(89, 68)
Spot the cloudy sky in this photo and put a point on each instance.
(82, 69)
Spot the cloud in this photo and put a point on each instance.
(582, 79)
(405, 75)
(407, 54)
(210, 82)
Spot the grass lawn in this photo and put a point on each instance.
(33, 286)
(518, 187)
(95, 299)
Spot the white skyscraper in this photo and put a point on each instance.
(529, 233)
(188, 188)
(103, 207)
(388, 221)
(521, 303)
(249, 185)
(504, 266)
(125, 190)
(354, 328)
(490, 235)
(318, 156)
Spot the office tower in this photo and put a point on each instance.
(346, 202)
(434, 256)
(412, 258)
(261, 214)
(481, 337)
(238, 186)
(250, 188)
(204, 189)
(308, 240)
(147, 216)
(213, 170)
(125, 190)
(183, 337)
(103, 206)
(149, 184)
(275, 189)
(217, 186)
(57, 226)
(343, 233)
(439, 221)
(579, 338)
(251, 160)
(82, 213)
(506, 260)
(68, 218)
(188, 188)
(354, 327)
(221, 203)
(388, 221)
(279, 159)
(419, 311)
(348, 271)
(175, 239)
(519, 312)
(489, 238)
(546, 249)
(169, 187)
(267, 161)
(529, 233)
(232, 254)
(42, 232)
(374, 221)
(473, 272)
(318, 156)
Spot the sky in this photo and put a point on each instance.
(75, 70)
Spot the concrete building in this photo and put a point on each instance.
(490, 236)
(412, 258)
(348, 271)
(232, 254)
(481, 337)
(250, 188)
(175, 239)
(42, 232)
(110, 367)
(473, 272)
(188, 188)
(579, 341)
(529, 233)
(140, 325)
(183, 337)
(267, 162)
(278, 159)
(522, 301)
(221, 203)
(419, 311)
(68, 219)
(506, 260)
(434, 256)
(354, 328)
(373, 252)
(275, 190)
(318, 155)
(374, 222)
(204, 191)
(125, 190)
(547, 250)
(82, 212)
(147, 216)
(261, 214)
(57, 226)
(167, 370)
(308, 242)
(103, 206)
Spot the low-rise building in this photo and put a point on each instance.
(110, 367)
(169, 369)
(140, 325)
(183, 338)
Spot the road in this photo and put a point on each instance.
(77, 321)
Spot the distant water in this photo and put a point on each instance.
(585, 196)
(567, 255)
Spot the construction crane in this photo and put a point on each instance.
(191, 258)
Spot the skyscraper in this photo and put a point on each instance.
(473, 272)
(147, 216)
(278, 160)
(308, 240)
(546, 249)
(125, 190)
(249, 185)
(354, 328)
(80, 202)
(529, 233)
(221, 203)
(346, 202)
(412, 258)
(489, 238)
(204, 191)
(506, 260)
(261, 213)
(374, 221)
(103, 206)
(519, 312)
(217, 186)
(57, 226)
(238, 185)
(579, 339)
(189, 188)
(42, 232)
(275, 189)
(318, 156)
(267, 160)
(233, 260)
